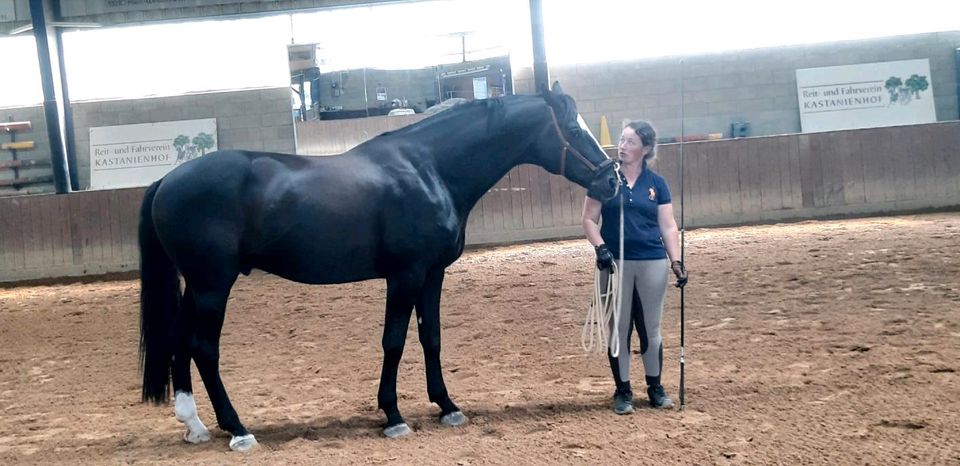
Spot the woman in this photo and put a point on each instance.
(651, 243)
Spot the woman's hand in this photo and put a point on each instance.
(604, 257)
(681, 273)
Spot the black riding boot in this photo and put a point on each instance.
(623, 396)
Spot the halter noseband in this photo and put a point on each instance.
(567, 147)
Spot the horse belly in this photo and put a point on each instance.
(341, 256)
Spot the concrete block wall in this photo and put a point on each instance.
(257, 119)
(417, 86)
(757, 85)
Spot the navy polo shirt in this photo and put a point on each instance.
(641, 232)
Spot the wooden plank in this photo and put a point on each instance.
(131, 222)
(112, 227)
(28, 228)
(546, 190)
(807, 171)
(748, 164)
(711, 204)
(850, 165)
(872, 142)
(796, 187)
(475, 218)
(690, 186)
(562, 198)
(486, 208)
(898, 155)
(715, 185)
(45, 207)
(566, 197)
(10, 236)
(516, 198)
(769, 172)
(77, 230)
(830, 168)
(699, 176)
(526, 207)
(577, 195)
(61, 231)
(946, 155)
(668, 166)
(705, 202)
(102, 226)
(536, 207)
(556, 208)
(496, 207)
(924, 174)
(730, 174)
(486, 203)
(503, 207)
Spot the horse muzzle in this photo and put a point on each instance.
(606, 183)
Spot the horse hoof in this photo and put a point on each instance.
(454, 419)
(397, 431)
(243, 443)
(196, 437)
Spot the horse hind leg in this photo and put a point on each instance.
(210, 307)
(185, 408)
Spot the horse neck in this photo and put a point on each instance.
(470, 159)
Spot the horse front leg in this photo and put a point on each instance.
(428, 321)
(401, 295)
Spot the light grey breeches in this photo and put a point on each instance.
(646, 280)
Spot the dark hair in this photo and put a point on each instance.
(647, 134)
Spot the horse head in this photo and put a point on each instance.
(579, 157)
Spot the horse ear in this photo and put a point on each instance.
(556, 88)
(547, 95)
(544, 90)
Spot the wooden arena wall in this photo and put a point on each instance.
(727, 182)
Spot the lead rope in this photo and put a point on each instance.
(605, 306)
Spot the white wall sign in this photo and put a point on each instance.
(480, 88)
(7, 11)
(865, 96)
(137, 155)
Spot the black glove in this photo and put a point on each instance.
(604, 258)
(681, 272)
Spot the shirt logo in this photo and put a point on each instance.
(651, 193)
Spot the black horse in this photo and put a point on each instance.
(394, 207)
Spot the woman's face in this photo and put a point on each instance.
(631, 149)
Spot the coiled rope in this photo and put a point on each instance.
(605, 307)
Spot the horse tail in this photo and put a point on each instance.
(159, 306)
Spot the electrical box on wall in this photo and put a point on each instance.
(740, 129)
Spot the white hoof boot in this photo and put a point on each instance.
(397, 431)
(454, 419)
(243, 443)
(191, 436)
(185, 410)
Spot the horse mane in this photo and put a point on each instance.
(495, 111)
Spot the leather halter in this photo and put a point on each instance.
(567, 147)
